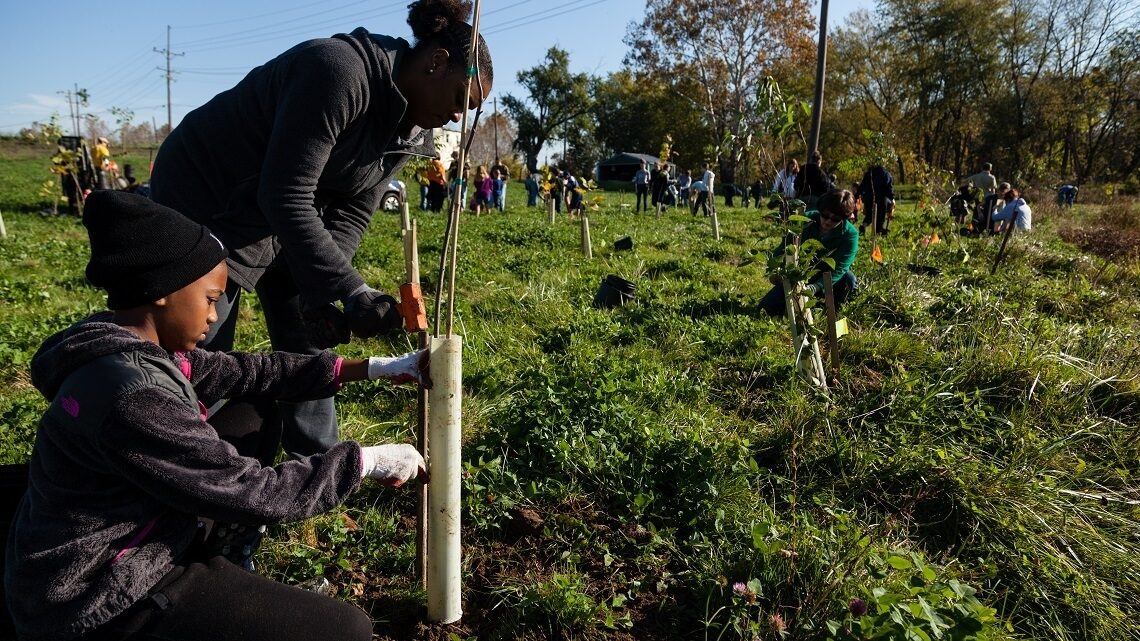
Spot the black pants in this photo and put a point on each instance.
(876, 212)
(436, 195)
(214, 599)
(702, 203)
(309, 427)
(642, 198)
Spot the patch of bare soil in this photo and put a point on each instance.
(530, 547)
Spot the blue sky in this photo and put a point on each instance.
(110, 51)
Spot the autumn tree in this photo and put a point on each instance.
(635, 114)
(493, 140)
(715, 61)
(558, 104)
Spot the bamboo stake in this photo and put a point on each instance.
(3, 229)
(715, 226)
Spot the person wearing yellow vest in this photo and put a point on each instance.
(101, 158)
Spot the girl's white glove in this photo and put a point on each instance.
(412, 366)
(392, 464)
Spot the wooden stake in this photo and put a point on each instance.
(3, 229)
(715, 226)
(1004, 241)
(412, 271)
(550, 209)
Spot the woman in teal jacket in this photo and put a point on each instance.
(831, 225)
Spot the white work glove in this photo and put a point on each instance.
(392, 464)
(412, 366)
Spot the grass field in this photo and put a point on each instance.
(660, 472)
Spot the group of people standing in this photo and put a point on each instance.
(489, 185)
(652, 188)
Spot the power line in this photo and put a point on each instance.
(306, 30)
(325, 10)
(326, 17)
(533, 18)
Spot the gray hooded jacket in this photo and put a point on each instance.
(124, 465)
(293, 160)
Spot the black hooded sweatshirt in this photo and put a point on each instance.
(293, 160)
(124, 465)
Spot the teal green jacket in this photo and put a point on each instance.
(840, 244)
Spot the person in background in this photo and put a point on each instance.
(709, 179)
(684, 182)
(641, 188)
(484, 186)
(984, 212)
(757, 193)
(117, 536)
(832, 226)
(1015, 210)
(961, 203)
(101, 158)
(730, 192)
(423, 182)
(987, 185)
(785, 183)
(505, 174)
(498, 190)
(573, 196)
(811, 182)
(877, 191)
(557, 183)
(288, 167)
(701, 198)
(532, 188)
(659, 184)
(1067, 195)
(984, 180)
(437, 184)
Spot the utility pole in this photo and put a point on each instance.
(820, 72)
(169, 77)
(70, 110)
(78, 97)
(495, 119)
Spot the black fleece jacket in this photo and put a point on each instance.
(293, 160)
(124, 465)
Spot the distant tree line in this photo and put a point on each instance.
(1047, 90)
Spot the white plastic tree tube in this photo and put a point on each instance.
(444, 585)
(587, 247)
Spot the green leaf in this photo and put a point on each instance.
(899, 562)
